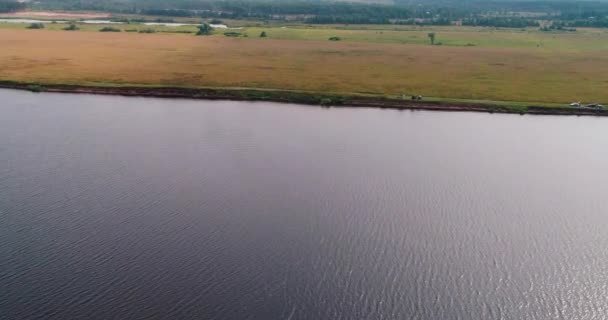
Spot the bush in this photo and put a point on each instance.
(204, 30)
(109, 29)
(147, 31)
(177, 31)
(35, 88)
(36, 26)
(326, 102)
(335, 39)
(71, 27)
(232, 34)
(131, 30)
(216, 21)
(263, 34)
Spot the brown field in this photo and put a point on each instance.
(488, 73)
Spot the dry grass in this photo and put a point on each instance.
(495, 73)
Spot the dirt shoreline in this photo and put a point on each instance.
(320, 99)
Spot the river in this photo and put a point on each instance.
(141, 208)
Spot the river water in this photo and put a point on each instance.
(137, 208)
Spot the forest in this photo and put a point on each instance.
(10, 6)
(500, 13)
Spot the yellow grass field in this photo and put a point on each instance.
(523, 74)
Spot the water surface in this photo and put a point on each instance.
(134, 208)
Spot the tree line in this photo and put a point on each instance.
(500, 22)
(496, 13)
(11, 6)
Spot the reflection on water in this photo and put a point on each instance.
(135, 208)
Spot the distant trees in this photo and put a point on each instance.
(557, 27)
(204, 30)
(232, 34)
(346, 19)
(11, 6)
(495, 13)
(310, 11)
(167, 12)
(431, 36)
(36, 25)
(589, 23)
(425, 22)
(71, 27)
(109, 29)
(500, 22)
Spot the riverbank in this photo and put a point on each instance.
(309, 98)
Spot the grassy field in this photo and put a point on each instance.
(472, 63)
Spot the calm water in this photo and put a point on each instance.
(132, 208)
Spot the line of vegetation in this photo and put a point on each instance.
(312, 98)
(557, 27)
(36, 25)
(501, 22)
(496, 13)
(11, 6)
(109, 29)
(71, 27)
(232, 34)
(178, 31)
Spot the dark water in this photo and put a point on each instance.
(126, 208)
